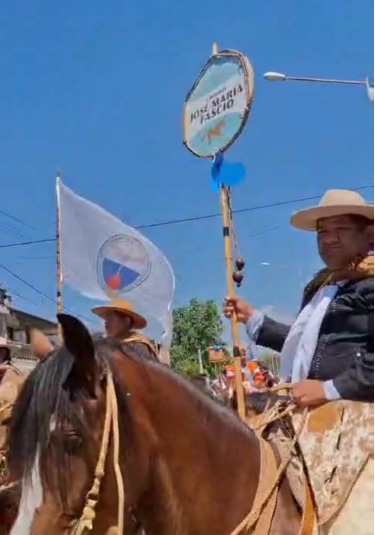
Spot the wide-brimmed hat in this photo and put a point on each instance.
(335, 202)
(123, 307)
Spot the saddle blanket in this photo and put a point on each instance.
(336, 451)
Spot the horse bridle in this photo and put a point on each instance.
(111, 426)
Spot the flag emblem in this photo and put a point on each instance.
(123, 264)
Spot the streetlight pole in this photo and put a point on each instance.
(272, 76)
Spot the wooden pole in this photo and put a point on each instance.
(59, 300)
(230, 284)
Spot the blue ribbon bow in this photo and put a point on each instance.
(226, 173)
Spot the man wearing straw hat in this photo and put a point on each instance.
(328, 352)
(121, 320)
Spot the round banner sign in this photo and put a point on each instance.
(217, 106)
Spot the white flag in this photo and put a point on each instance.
(102, 257)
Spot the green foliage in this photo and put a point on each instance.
(195, 327)
(187, 367)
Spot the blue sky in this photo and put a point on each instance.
(97, 88)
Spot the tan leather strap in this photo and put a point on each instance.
(259, 519)
(267, 474)
(308, 521)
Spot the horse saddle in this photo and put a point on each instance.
(335, 441)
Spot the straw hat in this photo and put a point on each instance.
(335, 202)
(123, 307)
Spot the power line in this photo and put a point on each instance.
(265, 231)
(191, 219)
(238, 211)
(40, 292)
(14, 218)
(30, 242)
(52, 258)
(152, 225)
(21, 279)
(11, 230)
(20, 296)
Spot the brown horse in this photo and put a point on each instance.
(189, 466)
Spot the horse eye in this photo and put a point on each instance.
(73, 443)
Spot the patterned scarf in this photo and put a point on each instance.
(361, 268)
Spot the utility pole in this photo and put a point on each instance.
(201, 369)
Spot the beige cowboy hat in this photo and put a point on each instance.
(123, 307)
(335, 202)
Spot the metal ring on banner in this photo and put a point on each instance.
(216, 96)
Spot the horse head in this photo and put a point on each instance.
(55, 430)
(93, 425)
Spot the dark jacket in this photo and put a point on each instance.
(345, 348)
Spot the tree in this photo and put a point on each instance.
(195, 328)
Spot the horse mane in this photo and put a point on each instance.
(41, 398)
(40, 414)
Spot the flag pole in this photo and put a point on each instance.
(59, 300)
(224, 196)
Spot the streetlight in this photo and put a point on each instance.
(281, 77)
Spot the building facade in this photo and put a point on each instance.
(14, 329)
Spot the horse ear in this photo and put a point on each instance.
(79, 343)
(39, 343)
